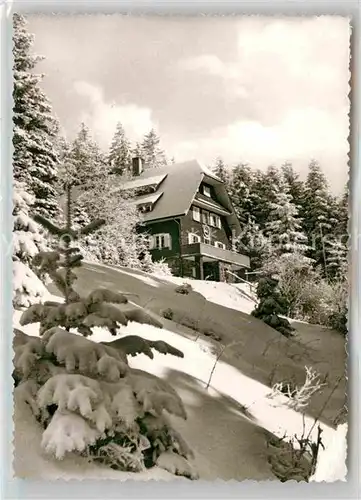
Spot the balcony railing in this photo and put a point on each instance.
(215, 253)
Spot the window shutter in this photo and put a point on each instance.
(151, 242)
(168, 241)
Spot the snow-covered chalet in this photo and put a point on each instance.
(189, 218)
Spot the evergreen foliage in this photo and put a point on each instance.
(283, 227)
(34, 159)
(271, 305)
(120, 157)
(151, 152)
(27, 242)
(296, 187)
(254, 243)
(86, 165)
(241, 191)
(84, 394)
(320, 220)
(221, 171)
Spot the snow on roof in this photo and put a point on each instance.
(144, 181)
(181, 183)
(208, 172)
(148, 198)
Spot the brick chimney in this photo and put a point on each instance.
(137, 165)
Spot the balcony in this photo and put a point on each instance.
(211, 253)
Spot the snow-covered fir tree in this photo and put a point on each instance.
(337, 259)
(283, 227)
(221, 171)
(151, 151)
(118, 242)
(85, 162)
(253, 242)
(240, 190)
(265, 187)
(343, 213)
(34, 160)
(320, 219)
(296, 187)
(27, 242)
(84, 395)
(137, 150)
(120, 155)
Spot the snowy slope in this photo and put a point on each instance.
(226, 422)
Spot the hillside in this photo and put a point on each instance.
(227, 422)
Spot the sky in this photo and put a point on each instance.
(261, 90)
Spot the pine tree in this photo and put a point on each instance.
(284, 228)
(240, 191)
(27, 242)
(34, 160)
(86, 164)
(220, 170)
(254, 243)
(320, 219)
(86, 396)
(137, 150)
(271, 305)
(265, 187)
(343, 213)
(152, 154)
(337, 259)
(120, 157)
(296, 187)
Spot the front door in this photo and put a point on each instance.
(211, 271)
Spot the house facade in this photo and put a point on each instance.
(189, 220)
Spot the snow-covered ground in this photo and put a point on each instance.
(226, 422)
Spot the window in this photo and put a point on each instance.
(205, 217)
(194, 272)
(162, 241)
(219, 244)
(196, 214)
(218, 222)
(212, 220)
(207, 240)
(193, 238)
(145, 208)
(207, 191)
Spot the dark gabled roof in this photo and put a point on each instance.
(178, 187)
(210, 203)
(180, 184)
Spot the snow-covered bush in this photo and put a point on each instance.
(332, 305)
(307, 294)
(27, 242)
(160, 268)
(294, 458)
(298, 398)
(85, 394)
(296, 281)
